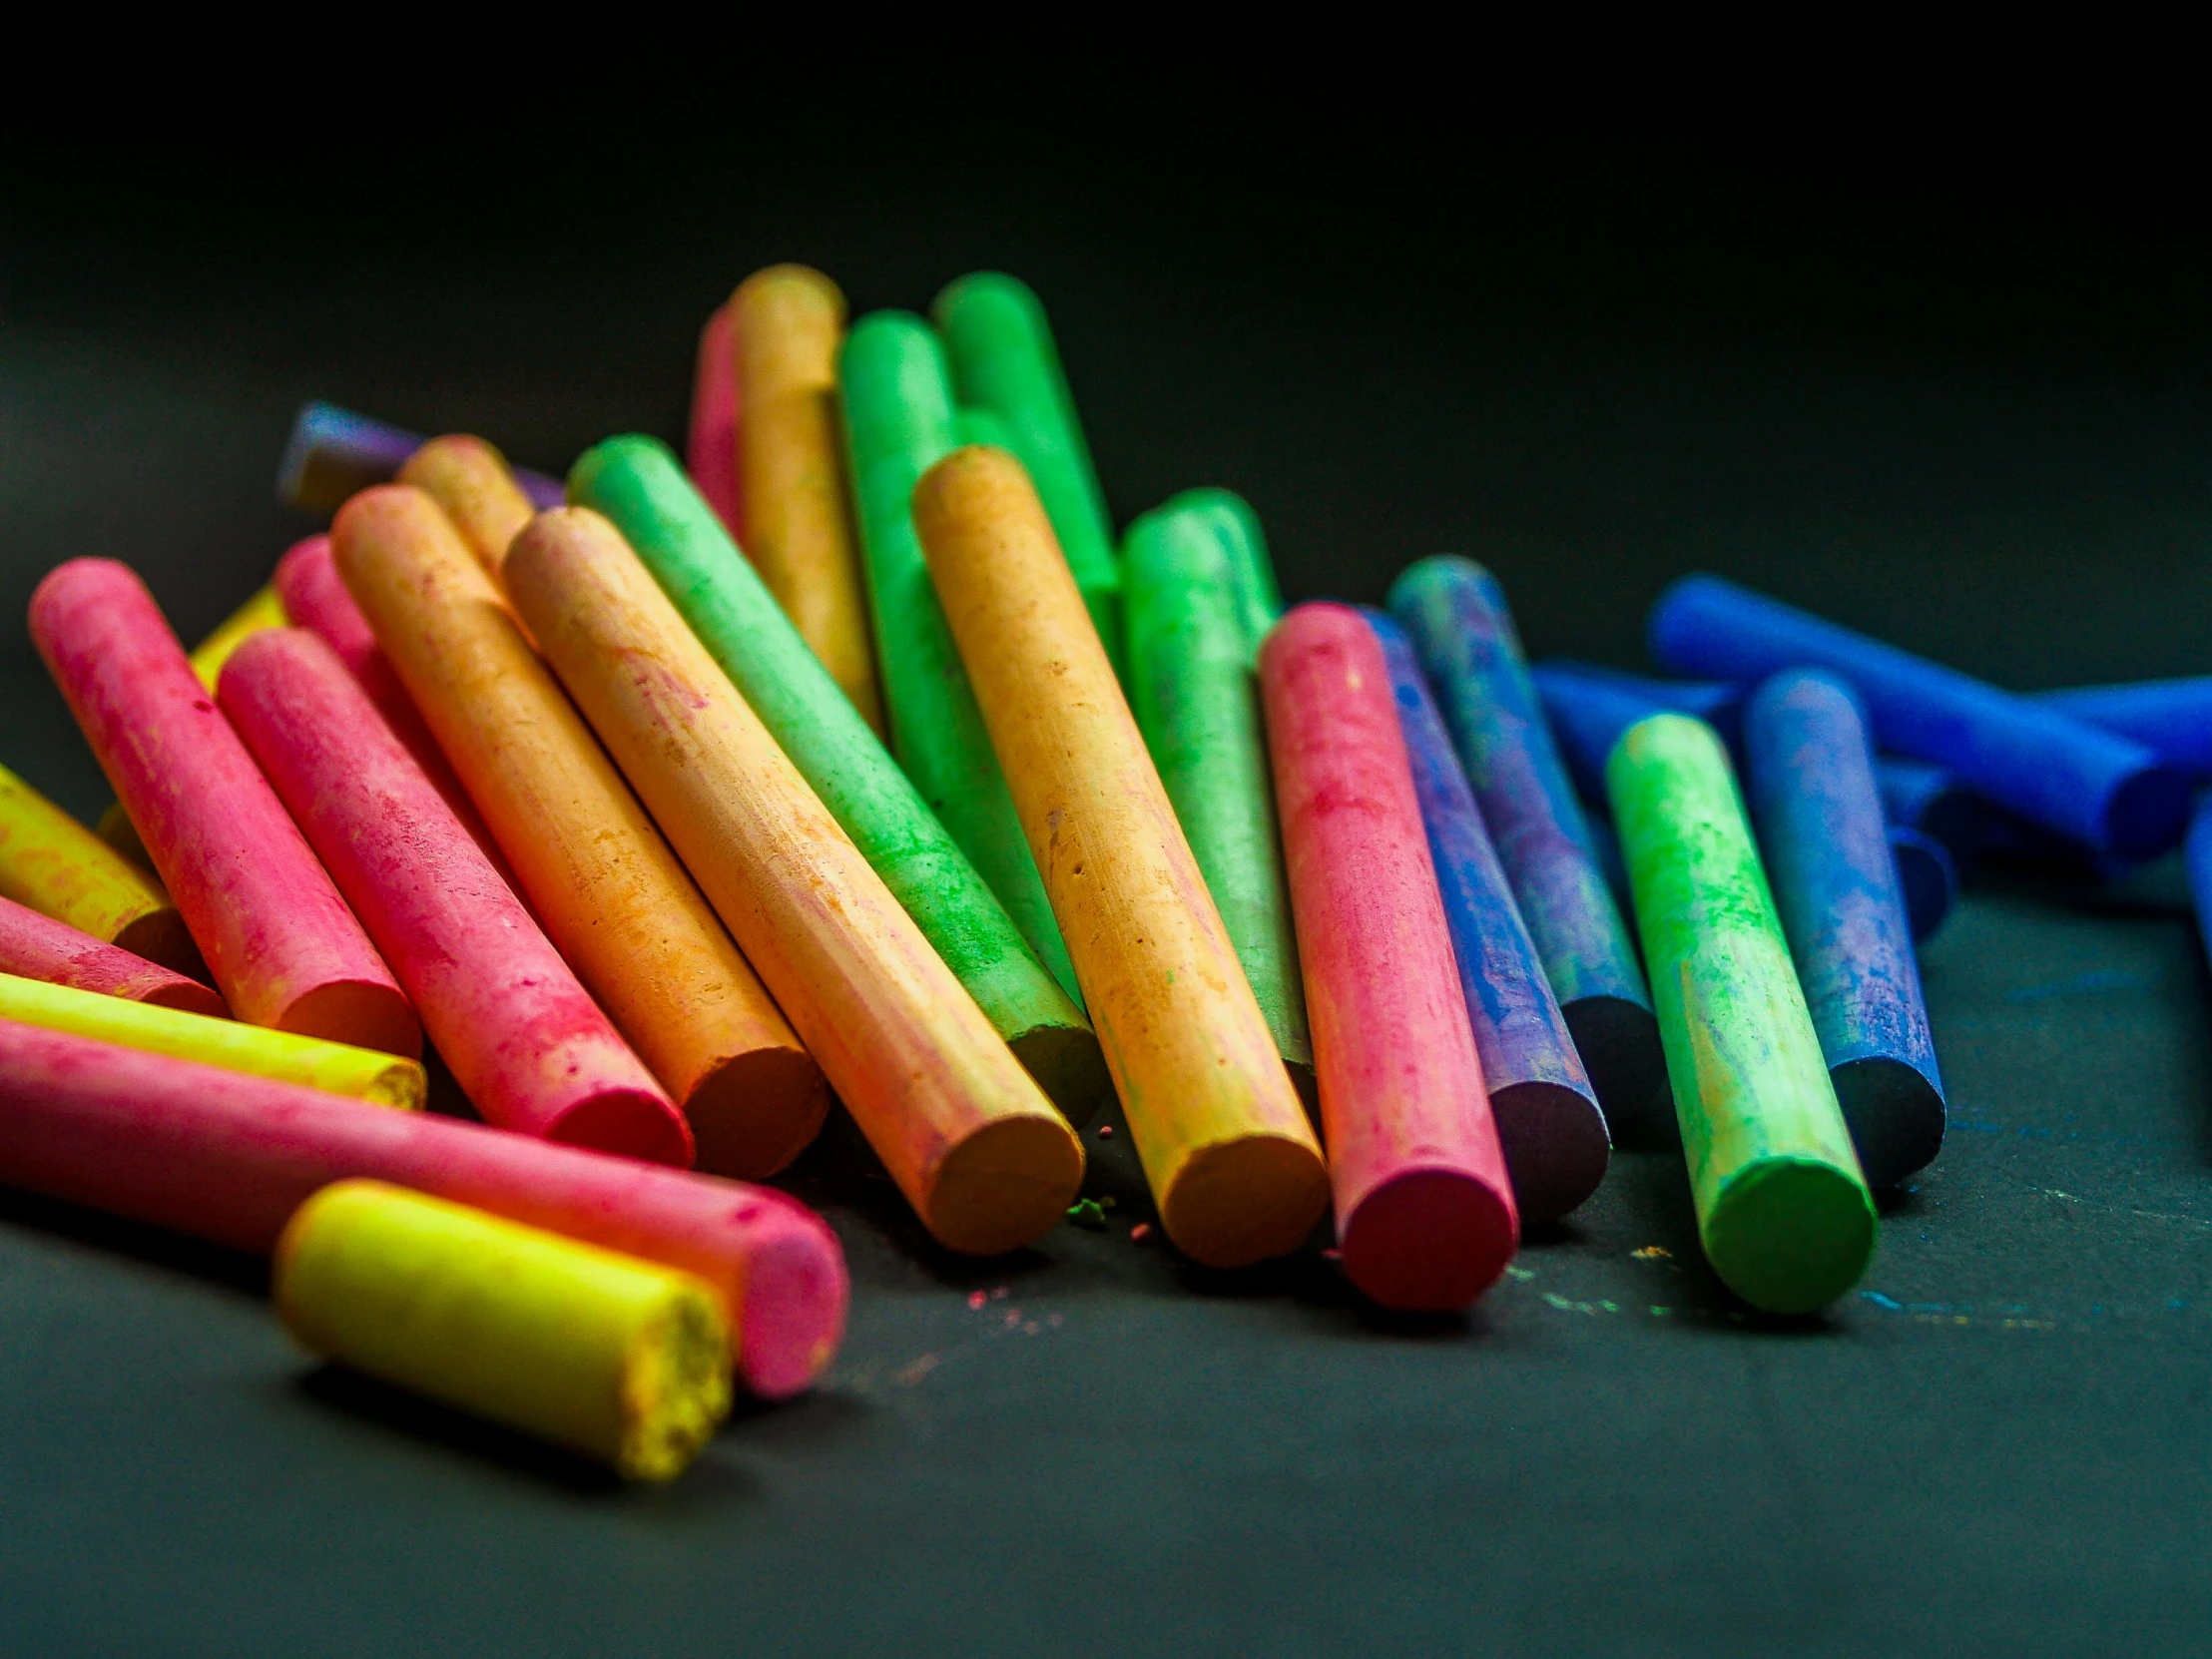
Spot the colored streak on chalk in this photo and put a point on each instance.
(333, 454)
(1425, 1219)
(472, 482)
(54, 864)
(710, 443)
(1555, 1138)
(37, 946)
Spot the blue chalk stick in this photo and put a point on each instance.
(1928, 876)
(1809, 772)
(1556, 1139)
(2170, 718)
(2198, 852)
(334, 452)
(2049, 767)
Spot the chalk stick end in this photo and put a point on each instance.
(791, 1320)
(1896, 1116)
(362, 1012)
(1004, 1186)
(1428, 1241)
(632, 1123)
(1791, 1235)
(1619, 1044)
(1556, 1146)
(756, 1112)
(1245, 1200)
(1067, 1063)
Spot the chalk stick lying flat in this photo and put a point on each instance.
(216, 1040)
(1930, 798)
(36, 946)
(710, 443)
(620, 1359)
(283, 946)
(1004, 360)
(478, 491)
(1224, 1143)
(971, 1139)
(1836, 890)
(635, 483)
(333, 454)
(528, 1046)
(1783, 1210)
(2172, 718)
(58, 868)
(1462, 629)
(1425, 1206)
(1195, 627)
(1556, 1139)
(2054, 769)
(230, 1158)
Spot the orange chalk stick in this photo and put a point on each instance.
(36, 946)
(1224, 1143)
(610, 895)
(473, 483)
(986, 1161)
(283, 946)
(786, 323)
(60, 869)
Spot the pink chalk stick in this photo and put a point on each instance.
(523, 1038)
(227, 1156)
(711, 452)
(33, 946)
(283, 946)
(1425, 1207)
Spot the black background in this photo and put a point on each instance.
(1946, 377)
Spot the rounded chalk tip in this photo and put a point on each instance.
(792, 1316)
(1895, 1114)
(1428, 1241)
(1067, 1063)
(2148, 812)
(366, 1014)
(1619, 1043)
(1243, 1201)
(1006, 1185)
(1556, 1146)
(753, 1113)
(1791, 1235)
(630, 1122)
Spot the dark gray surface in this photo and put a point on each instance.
(1591, 379)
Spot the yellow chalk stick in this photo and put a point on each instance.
(620, 1359)
(260, 613)
(60, 869)
(338, 1068)
(473, 483)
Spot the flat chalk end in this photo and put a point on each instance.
(1895, 1114)
(1556, 1146)
(1067, 1063)
(1004, 1186)
(1246, 1200)
(2148, 813)
(756, 1112)
(1427, 1241)
(628, 1122)
(675, 1391)
(1791, 1235)
(797, 1292)
(362, 1012)
(1619, 1044)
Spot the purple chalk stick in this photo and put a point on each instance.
(1556, 1145)
(335, 452)
(1463, 633)
(1809, 772)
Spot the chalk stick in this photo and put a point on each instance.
(1245, 543)
(973, 1142)
(2171, 718)
(283, 948)
(1930, 798)
(2197, 852)
(1554, 1133)
(635, 483)
(1839, 894)
(898, 423)
(973, 425)
(711, 442)
(1004, 360)
(229, 1157)
(60, 869)
(39, 947)
(1456, 617)
(613, 1357)
(335, 452)
(609, 893)
(2055, 770)
(1425, 1206)
(1782, 1206)
(528, 1046)
(263, 611)
(1193, 639)
(1225, 1144)
(472, 482)
(786, 325)
(1928, 875)
(216, 1040)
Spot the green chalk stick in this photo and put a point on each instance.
(898, 421)
(973, 425)
(637, 484)
(1195, 626)
(1004, 360)
(1258, 600)
(1782, 1205)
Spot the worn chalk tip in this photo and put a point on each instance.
(1896, 1116)
(1928, 877)
(756, 1112)
(1556, 1146)
(633, 1123)
(1245, 1200)
(1067, 1063)
(2148, 812)
(362, 1012)
(1619, 1044)
(791, 1310)
(1790, 1235)
(1428, 1241)
(675, 1390)
(1004, 1186)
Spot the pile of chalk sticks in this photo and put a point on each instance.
(855, 758)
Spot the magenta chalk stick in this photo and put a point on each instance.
(33, 946)
(1425, 1206)
(283, 948)
(711, 449)
(229, 1157)
(523, 1038)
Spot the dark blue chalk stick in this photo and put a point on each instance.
(1929, 876)
(2170, 718)
(1555, 1140)
(334, 452)
(2049, 767)
(1462, 632)
(1809, 772)
(1718, 702)
(2199, 855)
(1918, 795)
